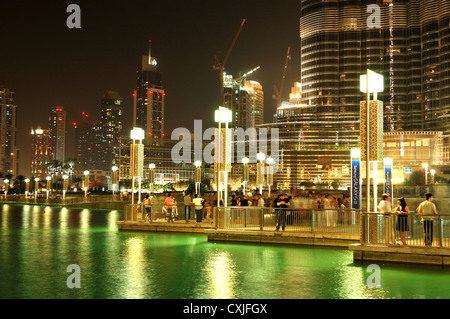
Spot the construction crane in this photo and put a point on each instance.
(246, 74)
(277, 93)
(220, 66)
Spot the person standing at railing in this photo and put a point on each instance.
(402, 212)
(197, 203)
(260, 202)
(283, 203)
(147, 203)
(328, 212)
(427, 209)
(187, 206)
(169, 202)
(385, 208)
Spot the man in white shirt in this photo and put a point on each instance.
(427, 209)
(197, 203)
(187, 207)
(385, 207)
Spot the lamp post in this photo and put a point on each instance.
(65, 185)
(48, 178)
(371, 82)
(198, 175)
(36, 187)
(269, 181)
(114, 179)
(136, 134)
(86, 182)
(246, 174)
(222, 156)
(260, 171)
(425, 166)
(151, 176)
(27, 187)
(6, 181)
(432, 171)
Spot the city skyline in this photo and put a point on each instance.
(48, 64)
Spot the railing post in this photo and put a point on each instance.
(245, 218)
(312, 220)
(261, 219)
(440, 231)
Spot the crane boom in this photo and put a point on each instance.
(277, 93)
(220, 66)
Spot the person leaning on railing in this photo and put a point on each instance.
(402, 212)
(427, 209)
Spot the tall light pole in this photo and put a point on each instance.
(27, 187)
(222, 156)
(6, 181)
(269, 180)
(198, 175)
(36, 187)
(136, 159)
(246, 173)
(425, 166)
(432, 171)
(86, 182)
(371, 82)
(48, 178)
(151, 176)
(114, 179)
(260, 171)
(65, 185)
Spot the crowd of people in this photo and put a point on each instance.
(202, 209)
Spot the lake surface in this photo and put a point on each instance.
(37, 244)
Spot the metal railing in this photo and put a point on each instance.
(292, 220)
(405, 229)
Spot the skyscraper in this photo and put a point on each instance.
(40, 152)
(57, 131)
(9, 152)
(409, 46)
(111, 128)
(149, 101)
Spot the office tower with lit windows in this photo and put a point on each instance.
(245, 98)
(111, 128)
(410, 47)
(41, 154)
(9, 153)
(57, 131)
(149, 99)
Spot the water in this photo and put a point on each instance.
(37, 244)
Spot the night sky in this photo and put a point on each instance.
(47, 64)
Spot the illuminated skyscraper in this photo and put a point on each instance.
(57, 131)
(9, 152)
(407, 41)
(40, 152)
(149, 101)
(111, 127)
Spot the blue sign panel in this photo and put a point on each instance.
(388, 178)
(356, 186)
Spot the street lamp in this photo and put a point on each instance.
(27, 187)
(114, 178)
(269, 182)
(65, 185)
(432, 171)
(198, 175)
(425, 165)
(246, 174)
(151, 176)
(86, 182)
(48, 178)
(371, 82)
(136, 134)
(223, 115)
(36, 187)
(260, 171)
(6, 181)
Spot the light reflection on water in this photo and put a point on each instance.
(38, 243)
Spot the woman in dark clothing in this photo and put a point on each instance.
(402, 212)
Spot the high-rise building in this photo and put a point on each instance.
(246, 101)
(57, 131)
(9, 153)
(407, 41)
(149, 101)
(111, 128)
(40, 152)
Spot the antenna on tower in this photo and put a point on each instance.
(149, 51)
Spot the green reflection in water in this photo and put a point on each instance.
(38, 243)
